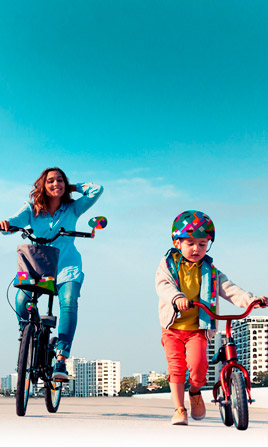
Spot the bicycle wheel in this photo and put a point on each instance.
(24, 370)
(52, 389)
(225, 409)
(239, 402)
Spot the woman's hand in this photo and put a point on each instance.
(182, 304)
(72, 188)
(4, 225)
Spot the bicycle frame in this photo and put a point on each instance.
(40, 359)
(230, 352)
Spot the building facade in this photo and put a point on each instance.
(213, 374)
(9, 382)
(97, 378)
(251, 338)
(104, 379)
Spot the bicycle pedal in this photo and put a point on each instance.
(250, 401)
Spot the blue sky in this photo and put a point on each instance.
(165, 105)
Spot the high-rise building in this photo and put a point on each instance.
(104, 378)
(9, 382)
(213, 374)
(251, 338)
(82, 378)
(71, 365)
(97, 378)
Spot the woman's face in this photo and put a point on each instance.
(54, 185)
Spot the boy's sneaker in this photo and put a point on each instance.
(59, 372)
(180, 417)
(198, 409)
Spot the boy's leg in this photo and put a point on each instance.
(196, 348)
(175, 355)
(177, 392)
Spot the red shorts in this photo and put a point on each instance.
(186, 350)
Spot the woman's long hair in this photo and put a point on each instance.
(38, 196)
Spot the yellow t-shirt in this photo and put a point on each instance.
(190, 282)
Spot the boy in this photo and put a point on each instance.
(187, 273)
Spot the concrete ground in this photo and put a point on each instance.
(120, 421)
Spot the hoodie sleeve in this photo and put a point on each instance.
(165, 285)
(232, 293)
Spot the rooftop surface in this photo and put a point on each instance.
(120, 421)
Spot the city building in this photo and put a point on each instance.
(69, 388)
(148, 380)
(144, 379)
(9, 382)
(104, 378)
(213, 374)
(153, 376)
(82, 378)
(97, 378)
(138, 377)
(251, 338)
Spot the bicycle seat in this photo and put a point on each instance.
(50, 321)
(41, 285)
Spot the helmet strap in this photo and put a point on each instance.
(211, 242)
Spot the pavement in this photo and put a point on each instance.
(120, 421)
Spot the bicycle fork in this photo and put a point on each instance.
(225, 375)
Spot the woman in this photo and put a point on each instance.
(50, 208)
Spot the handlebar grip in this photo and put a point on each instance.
(11, 229)
(81, 234)
(191, 304)
(63, 232)
(262, 303)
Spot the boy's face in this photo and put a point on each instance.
(192, 249)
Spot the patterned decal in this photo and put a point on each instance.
(193, 224)
(23, 279)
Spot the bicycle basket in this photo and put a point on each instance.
(37, 267)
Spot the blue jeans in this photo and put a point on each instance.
(68, 293)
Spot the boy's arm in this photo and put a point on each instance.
(234, 294)
(165, 285)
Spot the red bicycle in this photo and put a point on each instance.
(233, 391)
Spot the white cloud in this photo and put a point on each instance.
(137, 187)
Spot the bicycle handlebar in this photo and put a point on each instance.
(229, 317)
(27, 233)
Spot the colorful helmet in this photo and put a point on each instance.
(193, 224)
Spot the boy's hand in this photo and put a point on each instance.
(182, 304)
(264, 298)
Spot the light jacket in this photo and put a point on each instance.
(70, 262)
(168, 292)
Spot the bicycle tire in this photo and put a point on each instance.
(52, 389)
(225, 409)
(24, 370)
(239, 402)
